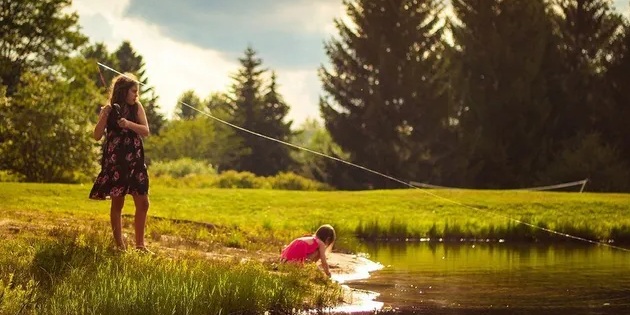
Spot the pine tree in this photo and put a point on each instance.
(277, 156)
(586, 30)
(98, 53)
(246, 107)
(505, 57)
(184, 112)
(385, 103)
(262, 113)
(617, 80)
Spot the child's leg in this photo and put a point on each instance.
(142, 207)
(116, 220)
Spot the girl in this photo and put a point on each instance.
(123, 170)
(312, 247)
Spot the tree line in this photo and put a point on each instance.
(498, 94)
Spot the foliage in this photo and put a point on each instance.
(505, 98)
(384, 102)
(75, 272)
(184, 112)
(587, 156)
(261, 111)
(36, 34)
(198, 139)
(46, 126)
(181, 168)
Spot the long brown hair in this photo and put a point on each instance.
(118, 93)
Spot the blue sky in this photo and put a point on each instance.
(194, 44)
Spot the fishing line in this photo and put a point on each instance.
(379, 173)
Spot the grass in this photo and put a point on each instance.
(216, 247)
(77, 272)
(267, 219)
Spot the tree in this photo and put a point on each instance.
(246, 106)
(506, 58)
(98, 53)
(384, 99)
(277, 156)
(46, 125)
(36, 34)
(312, 135)
(586, 30)
(258, 112)
(618, 82)
(184, 112)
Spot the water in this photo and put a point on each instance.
(489, 278)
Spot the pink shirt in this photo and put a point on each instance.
(299, 249)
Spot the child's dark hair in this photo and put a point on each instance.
(326, 233)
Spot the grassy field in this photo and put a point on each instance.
(247, 218)
(217, 247)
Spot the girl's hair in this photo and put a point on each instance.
(118, 92)
(326, 233)
(120, 87)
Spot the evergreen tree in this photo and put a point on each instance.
(505, 57)
(385, 103)
(246, 107)
(98, 53)
(261, 113)
(586, 30)
(618, 81)
(184, 112)
(277, 156)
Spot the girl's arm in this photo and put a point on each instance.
(322, 255)
(99, 129)
(142, 128)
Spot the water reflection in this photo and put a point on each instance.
(491, 276)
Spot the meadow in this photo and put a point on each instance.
(216, 249)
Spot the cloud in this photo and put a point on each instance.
(286, 32)
(174, 65)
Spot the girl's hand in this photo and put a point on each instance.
(105, 110)
(123, 123)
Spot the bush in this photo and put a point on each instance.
(230, 179)
(233, 179)
(588, 156)
(181, 168)
(8, 176)
(291, 181)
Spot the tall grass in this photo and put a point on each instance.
(77, 273)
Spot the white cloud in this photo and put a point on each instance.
(309, 16)
(300, 89)
(173, 67)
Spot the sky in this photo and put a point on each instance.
(195, 44)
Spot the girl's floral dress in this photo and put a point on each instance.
(123, 170)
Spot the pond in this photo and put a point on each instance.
(497, 278)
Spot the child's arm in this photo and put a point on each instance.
(99, 129)
(142, 128)
(322, 255)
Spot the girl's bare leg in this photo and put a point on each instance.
(116, 220)
(142, 208)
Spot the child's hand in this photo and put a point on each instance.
(123, 123)
(105, 110)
